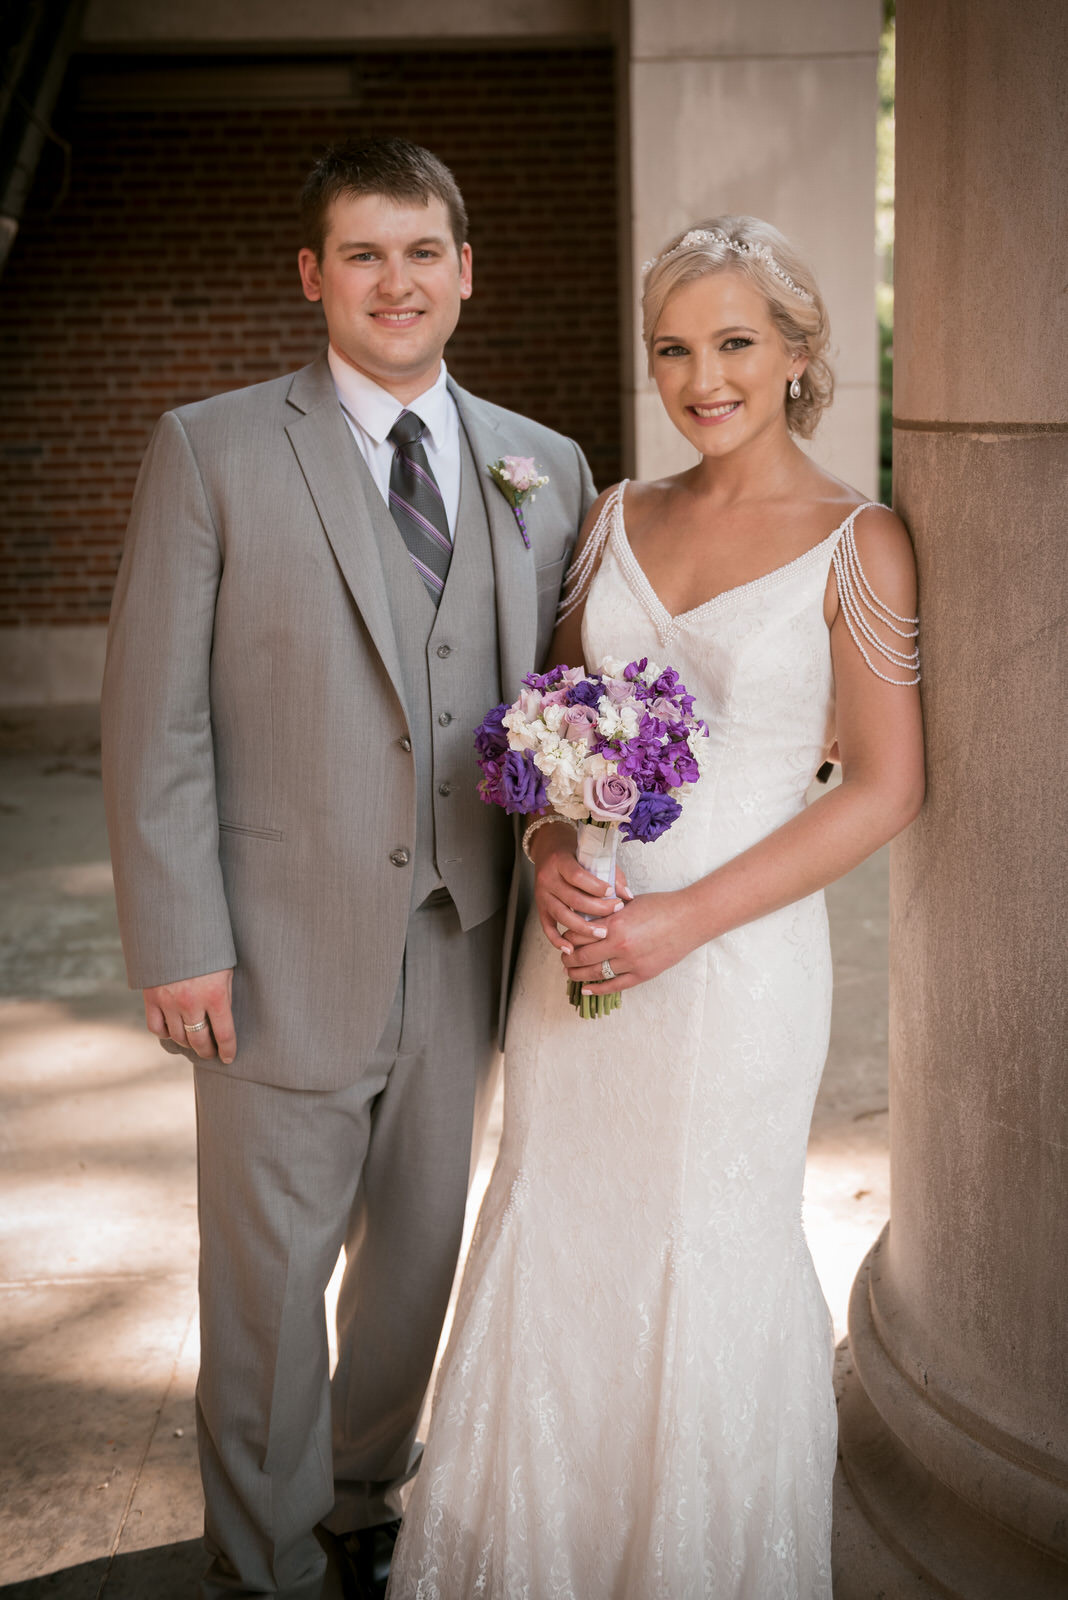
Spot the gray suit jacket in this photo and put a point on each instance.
(253, 710)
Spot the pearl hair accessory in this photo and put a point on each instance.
(714, 236)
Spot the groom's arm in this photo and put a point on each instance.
(589, 490)
(158, 757)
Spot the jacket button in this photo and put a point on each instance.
(444, 718)
(405, 743)
(444, 650)
(444, 788)
(399, 858)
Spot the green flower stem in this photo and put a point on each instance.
(592, 1005)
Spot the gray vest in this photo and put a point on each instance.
(449, 659)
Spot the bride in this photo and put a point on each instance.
(636, 1401)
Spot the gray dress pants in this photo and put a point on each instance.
(288, 1177)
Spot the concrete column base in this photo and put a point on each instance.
(949, 1505)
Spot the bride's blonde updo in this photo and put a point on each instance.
(762, 254)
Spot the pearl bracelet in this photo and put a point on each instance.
(532, 827)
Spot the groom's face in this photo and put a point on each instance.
(390, 281)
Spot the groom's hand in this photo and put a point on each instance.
(172, 1011)
(564, 890)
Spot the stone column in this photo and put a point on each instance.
(762, 107)
(954, 1423)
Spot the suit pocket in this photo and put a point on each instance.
(253, 833)
(550, 577)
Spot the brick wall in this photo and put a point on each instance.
(169, 273)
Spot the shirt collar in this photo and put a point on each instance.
(376, 410)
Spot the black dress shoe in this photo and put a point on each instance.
(365, 1560)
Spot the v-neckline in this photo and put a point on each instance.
(675, 620)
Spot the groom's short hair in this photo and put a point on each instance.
(393, 168)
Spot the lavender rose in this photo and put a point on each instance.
(579, 724)
(664, 708)
(610, 799)
(530, 702)
(521, 784)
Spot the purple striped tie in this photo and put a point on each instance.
(417, 507)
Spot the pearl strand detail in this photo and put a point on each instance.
(856, 595)
(581, 571)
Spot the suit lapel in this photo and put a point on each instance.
(513, 563)
(345, 497)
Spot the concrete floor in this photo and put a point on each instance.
(99, 1494)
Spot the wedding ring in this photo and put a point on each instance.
(606, 969)
(195, 1027)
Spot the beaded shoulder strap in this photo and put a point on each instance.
(581, 571)
(861, 607)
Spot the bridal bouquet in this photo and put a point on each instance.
(612, 751)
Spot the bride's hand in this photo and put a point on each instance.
(563, 890)
(651, 934)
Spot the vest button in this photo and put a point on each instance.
(444, 788)
(444, 650)
(399, 858)
(444, 718)
(405, 743)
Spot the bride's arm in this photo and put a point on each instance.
(880, 739)
(562, 889)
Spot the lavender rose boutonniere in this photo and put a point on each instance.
(614, 752)
(517, 478)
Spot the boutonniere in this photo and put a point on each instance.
(517, 478)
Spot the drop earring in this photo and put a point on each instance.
(794, 390)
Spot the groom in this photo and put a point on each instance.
(321, 594)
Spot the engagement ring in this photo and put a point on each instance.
(606, 969)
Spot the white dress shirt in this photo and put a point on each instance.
(371, 411)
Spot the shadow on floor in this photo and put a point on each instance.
(168, 1572)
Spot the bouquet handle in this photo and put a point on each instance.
(596, 849)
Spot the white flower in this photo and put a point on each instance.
(609, 721)
(597, 767)
(614, 721)
(560, 755)
(521, 733)
(577, 810)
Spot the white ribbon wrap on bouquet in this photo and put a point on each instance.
(596, 850)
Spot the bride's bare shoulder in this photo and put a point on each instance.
(646, 501)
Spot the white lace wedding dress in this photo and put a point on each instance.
(636, 1402)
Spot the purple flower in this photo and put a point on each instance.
(555, 678)
(652, 815)
(522, 786)
(489, 788)
(611, 798)
(587, 692)
(491, 739)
